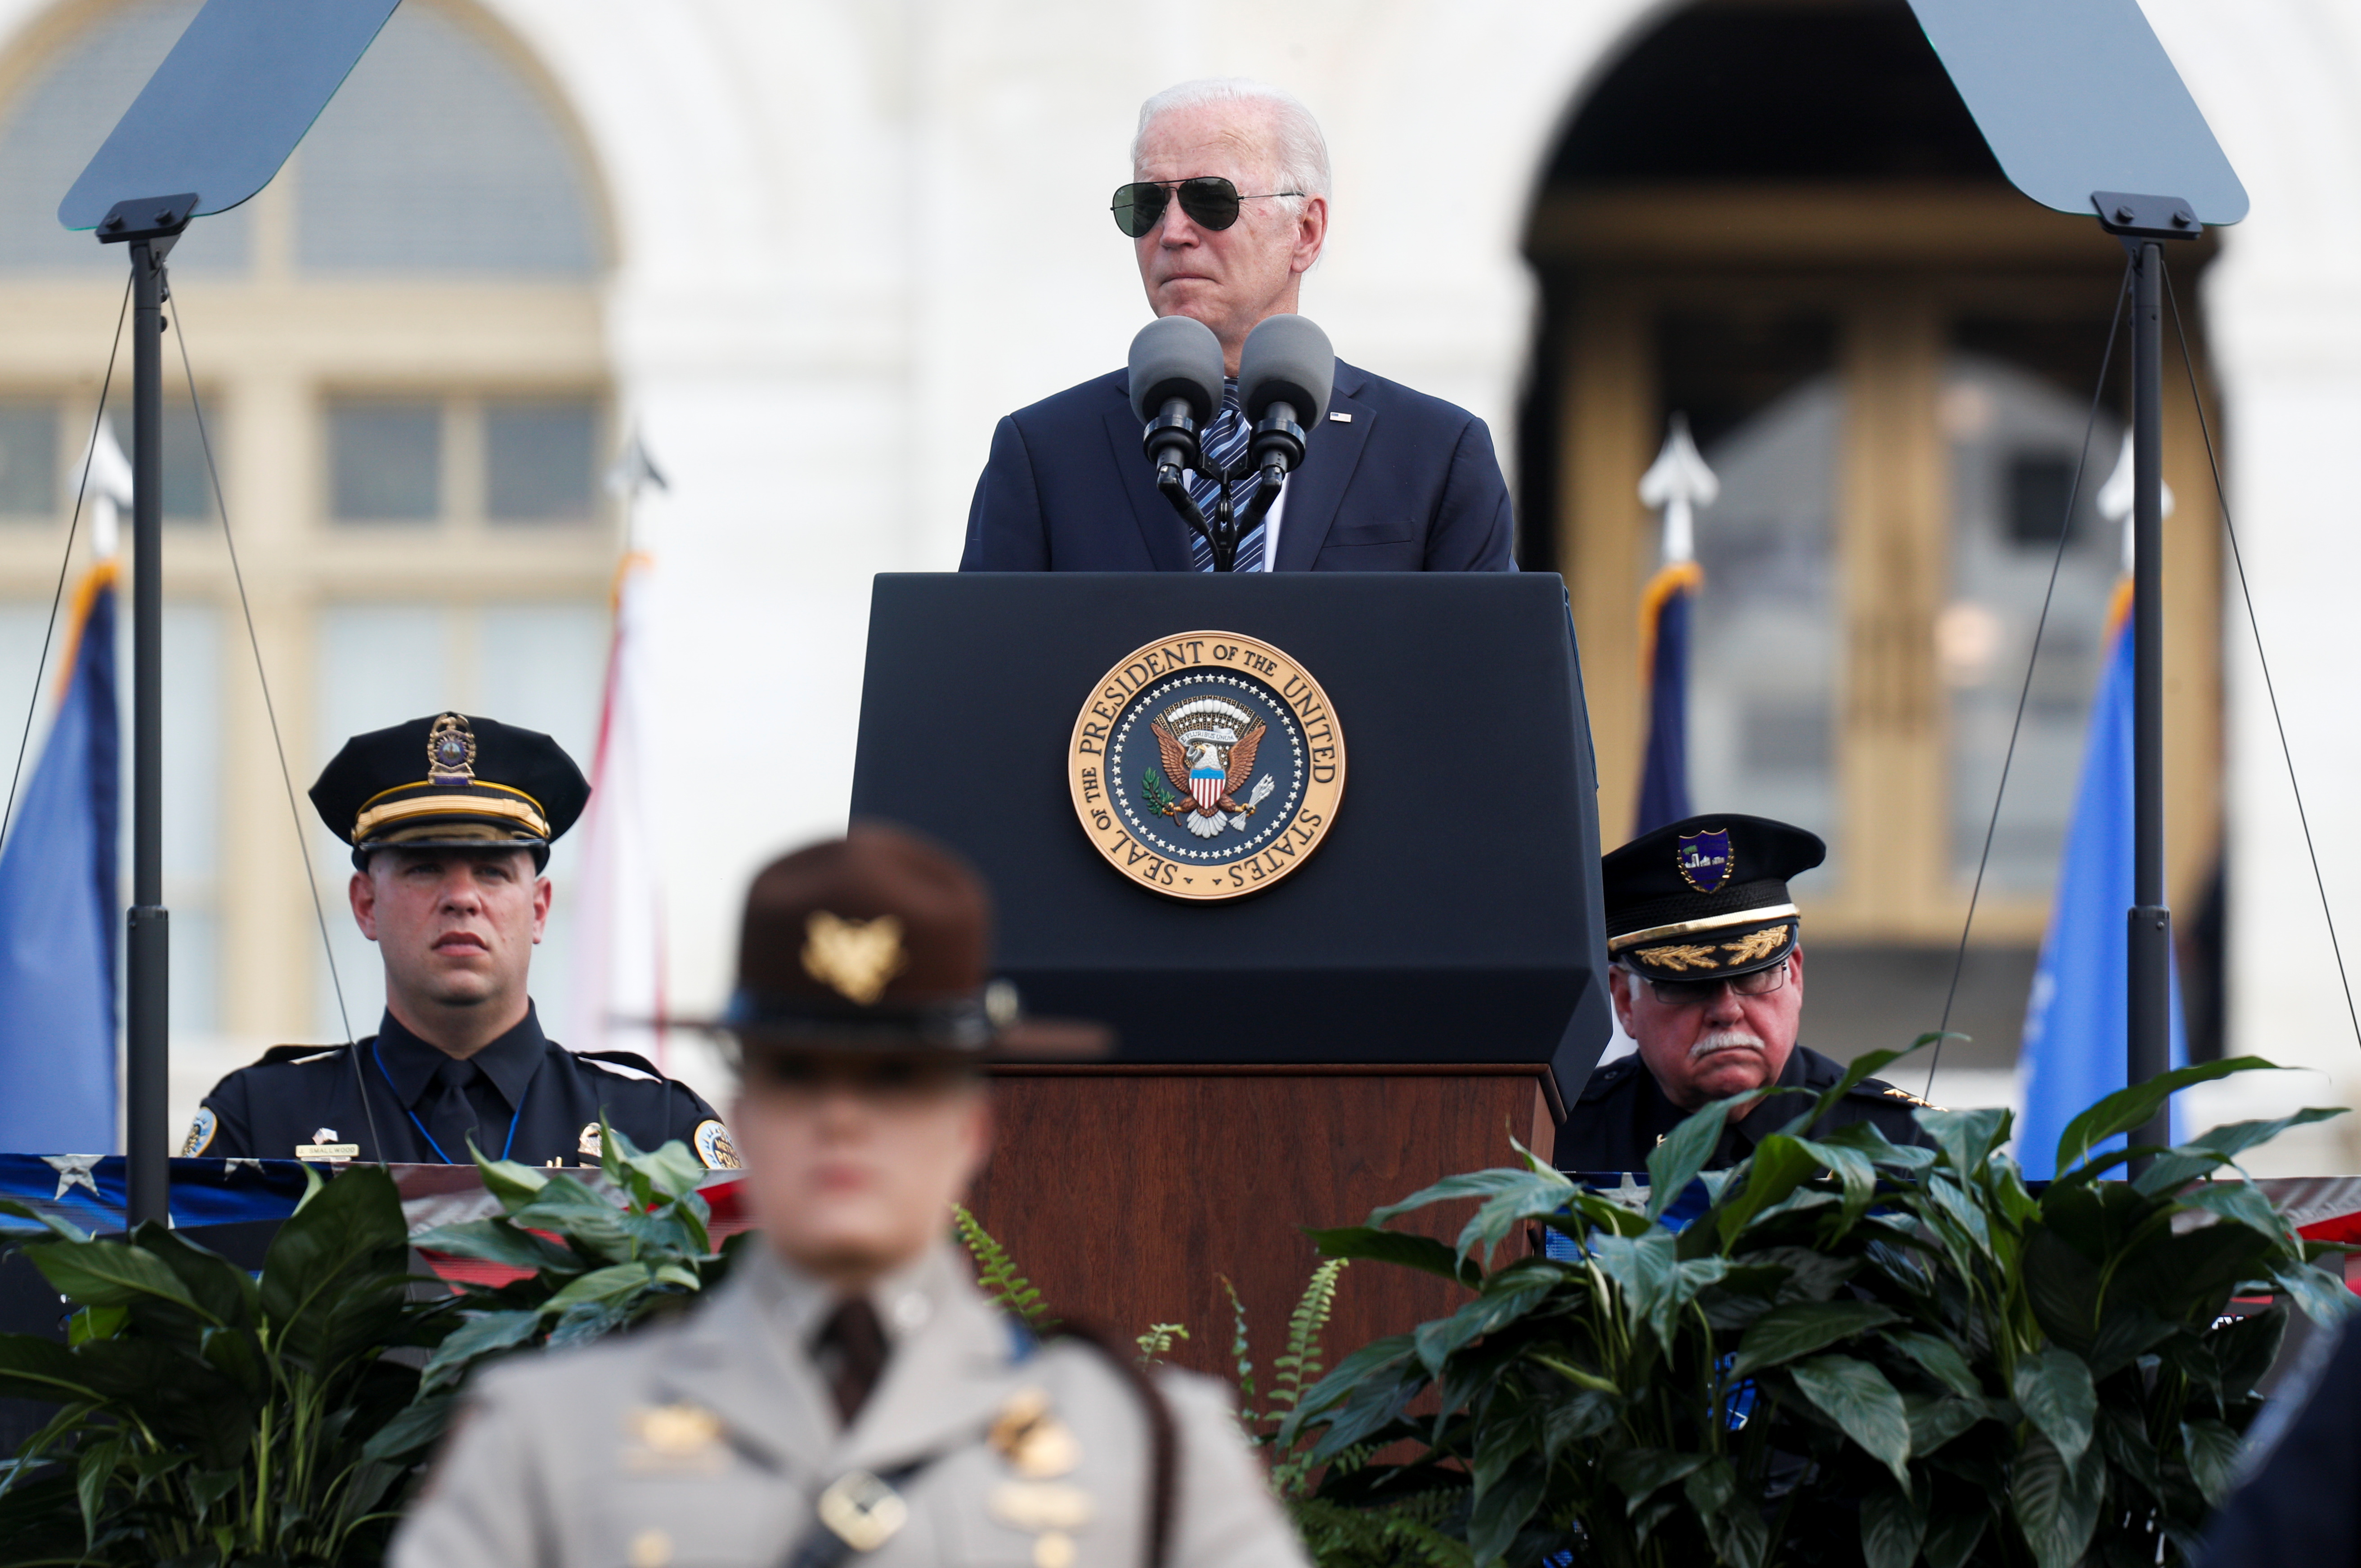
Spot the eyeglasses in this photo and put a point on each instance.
(1697, 992)
(1209, 200)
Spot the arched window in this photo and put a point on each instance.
(400, 352)
(1780, 221)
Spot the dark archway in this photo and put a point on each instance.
(1777, 218)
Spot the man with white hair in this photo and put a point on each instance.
(1708, 981)
(1226, 211)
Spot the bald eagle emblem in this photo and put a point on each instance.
(1210, 743)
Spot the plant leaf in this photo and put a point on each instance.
(1891, 1529)
(1799, 1328)
(2217, 1147)
(2057, 1504)
(2319, 1296)
(1640, 1473)
(1953, 1535)
(1943, 1360)
(1674, 1163)
(2054, 1390)
(2135, 1107)
(111, 1272)
(1780, 1164)
(2212, 1458)
(499, 1240)
(1856, 1395)
(1395, 1246)
(476, 1337)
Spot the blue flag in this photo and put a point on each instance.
(2076, 1027)
(1664, 627)
(58, 910)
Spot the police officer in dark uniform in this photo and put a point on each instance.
(450, 818)
(1708, 980)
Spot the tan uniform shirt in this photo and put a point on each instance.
(707, 1444)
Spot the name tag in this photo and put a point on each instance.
(327, 1151)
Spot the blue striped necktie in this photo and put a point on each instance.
(1224, 443)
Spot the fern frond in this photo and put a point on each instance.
(1402, 1532)
(1300, 1368)
(995, 1272)
(1157, 1343)
(1239, 1351)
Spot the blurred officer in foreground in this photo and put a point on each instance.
(450, 820)
(849, 1390)
(1708, 980)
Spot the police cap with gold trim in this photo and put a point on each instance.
(450, 781)
(1705, 898)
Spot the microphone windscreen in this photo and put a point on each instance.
(1286, 360)
(1176, 356)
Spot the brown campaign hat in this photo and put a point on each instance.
(880, 941)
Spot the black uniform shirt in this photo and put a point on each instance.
(1622, 1115)
(529, 1099)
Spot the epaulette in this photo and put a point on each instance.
(1877, 1089)
(1604, 1080)
(632, 1062)
(298, 1052)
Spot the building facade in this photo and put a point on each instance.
(811, 252)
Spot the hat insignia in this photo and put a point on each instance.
(451, 750)
(853, 958)
(1704, 859)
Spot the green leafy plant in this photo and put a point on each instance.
(595, 1266)
(207, 1417)
(1153, 790)
(1857, 1352)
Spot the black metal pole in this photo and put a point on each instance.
(147, 1132)
(2150, 968)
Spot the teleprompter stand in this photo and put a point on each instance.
(214, 123)
(1430, 983)
(2085, 113)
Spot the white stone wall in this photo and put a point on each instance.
(856, 233)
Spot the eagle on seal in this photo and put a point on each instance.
(1212, 781)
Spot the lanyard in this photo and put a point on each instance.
(376, 1052)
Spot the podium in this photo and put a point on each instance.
(1364, 1003)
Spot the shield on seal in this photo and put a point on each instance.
(1704, 859)
(1206, 780)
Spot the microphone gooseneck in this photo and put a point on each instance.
(1286, 371)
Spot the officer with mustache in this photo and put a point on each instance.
(1708, 980)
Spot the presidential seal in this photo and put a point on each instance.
(1206, 766)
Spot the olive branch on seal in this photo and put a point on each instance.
(1153, 790)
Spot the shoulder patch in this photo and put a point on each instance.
(625, 1064)
(200, 1132)
(713, 1146)
(1877, 1089)
(297, 1053)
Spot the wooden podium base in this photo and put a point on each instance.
(1125, 1192)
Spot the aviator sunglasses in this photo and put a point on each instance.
(1211, 201)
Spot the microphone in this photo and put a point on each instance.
(1175, 389)
(1285, 374)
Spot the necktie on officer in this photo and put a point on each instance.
(1224, 443)
(850, 1349)
(462, 1102)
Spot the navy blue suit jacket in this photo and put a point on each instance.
(1409, 485)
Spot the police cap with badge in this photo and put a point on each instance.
(1694, 903)
(879, 944)
(450, 781)
(1705, 898)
